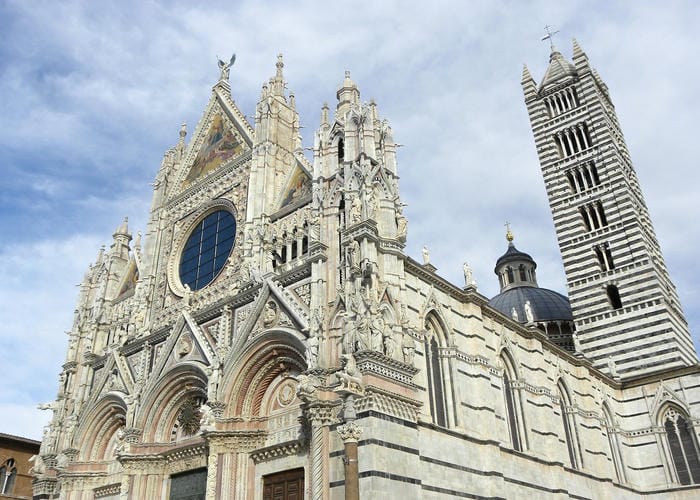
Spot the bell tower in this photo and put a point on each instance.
(626, 309)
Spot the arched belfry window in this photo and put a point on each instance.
(435, 376)
(682, 445)
(569, 424)
(512, 403)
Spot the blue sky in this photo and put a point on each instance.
(93, 93)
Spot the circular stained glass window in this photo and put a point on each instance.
(207, 249)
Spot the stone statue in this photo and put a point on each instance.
(401, 227)
(120, 442)
(426, 255)
(306, 390)
(514, 314)
(408, 347)
(528, 312)
(206, 420)
(312, 351)
(350, 377)
(354, 253)
(348, 326)
(468, 275)
(376, 334)
(355, 210)
(225, 68)
(269, 314)
(389, 341)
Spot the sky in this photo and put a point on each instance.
(93, 94)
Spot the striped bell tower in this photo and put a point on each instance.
(628, 318)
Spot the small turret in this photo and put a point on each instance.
(347, 94)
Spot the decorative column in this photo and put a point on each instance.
(320, 416)
(350, 433)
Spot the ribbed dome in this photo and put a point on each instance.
(546, 305)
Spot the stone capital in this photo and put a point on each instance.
(350, 432)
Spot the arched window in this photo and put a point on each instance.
(512, 403)
(683, 446)
(569, 423)
(511, 275)
(8, 472)
(436, 380)
(341, 151)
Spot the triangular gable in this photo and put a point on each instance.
(665, 394)
(186, 343)
(114, 376)
(297, 188)
(222, 135)
(274, 307)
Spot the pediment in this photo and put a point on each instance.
(187, 343)
(114, 376)
(297, 188)
(664, 395)
(222, 136)
(273, 308)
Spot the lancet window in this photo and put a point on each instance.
(512, 403)
(434, 371)
(682, 445)
(614, 444)
(569, 424)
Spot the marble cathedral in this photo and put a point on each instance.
(268, 337)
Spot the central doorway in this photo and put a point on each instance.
(287, 485)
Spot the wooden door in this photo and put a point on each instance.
(287, 485)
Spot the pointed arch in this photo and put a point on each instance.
(513, 403)
(8, 474)
(680, 444)
(436, 369)
(568, 417)
(614, 443)
(265, 361)
(161, 406)
(95, 437)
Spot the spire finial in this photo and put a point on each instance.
(280, 65)
(509, 233)
(550, 36)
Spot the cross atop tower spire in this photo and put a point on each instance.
(509, 233)
(550, 36)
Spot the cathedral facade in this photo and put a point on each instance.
(267, 337)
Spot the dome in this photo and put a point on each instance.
(545, 305)
(513, 255)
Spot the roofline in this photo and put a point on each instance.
(20, 439)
